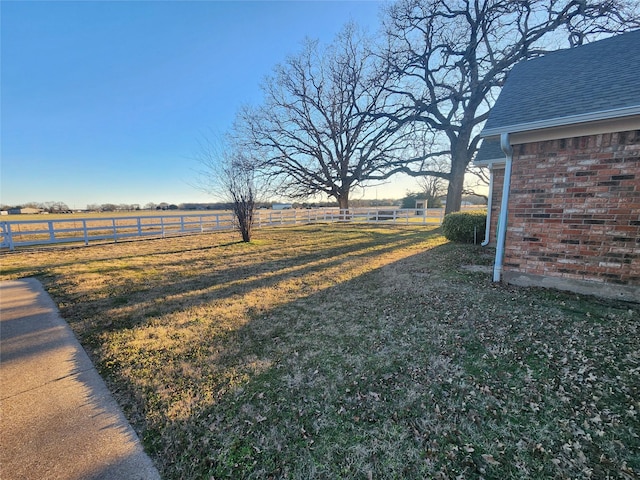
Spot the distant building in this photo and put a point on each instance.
(282, 206)
(23, 211)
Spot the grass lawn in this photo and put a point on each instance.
(341, 351)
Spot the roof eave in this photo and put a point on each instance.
(563, 121)
(489, 162)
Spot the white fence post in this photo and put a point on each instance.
(52, 235)
(7, 235)
(86, 234)
(10, 233)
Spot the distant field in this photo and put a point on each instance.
(139, 213)
(33, 230)
(341, 351)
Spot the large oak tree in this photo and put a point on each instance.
(448, 59)
(318, 130)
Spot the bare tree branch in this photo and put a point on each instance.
(449, 58)
(319, 130)
(229, 173)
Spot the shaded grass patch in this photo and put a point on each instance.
(350, 352)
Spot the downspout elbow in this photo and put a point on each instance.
(505, 145)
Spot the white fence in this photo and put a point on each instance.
(20, 233)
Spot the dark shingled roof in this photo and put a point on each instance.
(596, 81)
(489, 151)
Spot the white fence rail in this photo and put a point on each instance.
(20, 233)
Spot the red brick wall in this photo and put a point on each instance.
(574, 209)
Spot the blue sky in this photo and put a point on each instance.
(104, 102)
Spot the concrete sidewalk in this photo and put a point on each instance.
(57, 418)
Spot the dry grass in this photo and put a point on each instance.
(339, 351)
(107, 227)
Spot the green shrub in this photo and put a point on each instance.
(461, 226)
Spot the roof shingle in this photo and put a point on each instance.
(489, 152)
(598, 80)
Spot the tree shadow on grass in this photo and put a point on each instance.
(380, 358)
(385, 377)
(123, 301)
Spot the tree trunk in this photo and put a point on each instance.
(459, 162)
(454, 192)
(246, 233)
(245, 221)
(343, 201)
(343, 204)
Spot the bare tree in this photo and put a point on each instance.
(317, 130)
(55, 207)
(229, 173)
(41, 206)
(477, 177)
(432, 188)
(239, 178)
(450, 57)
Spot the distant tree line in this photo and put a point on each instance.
(410, 199)
(49, 207)
(61, 207)
(111, 207)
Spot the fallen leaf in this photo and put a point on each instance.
(489, 459)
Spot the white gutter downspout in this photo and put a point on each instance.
(487, 230)
(502, 220)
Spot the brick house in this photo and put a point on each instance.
(563, 145)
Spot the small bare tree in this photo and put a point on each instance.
(238, 176)
(229, 174)
(433, 188)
